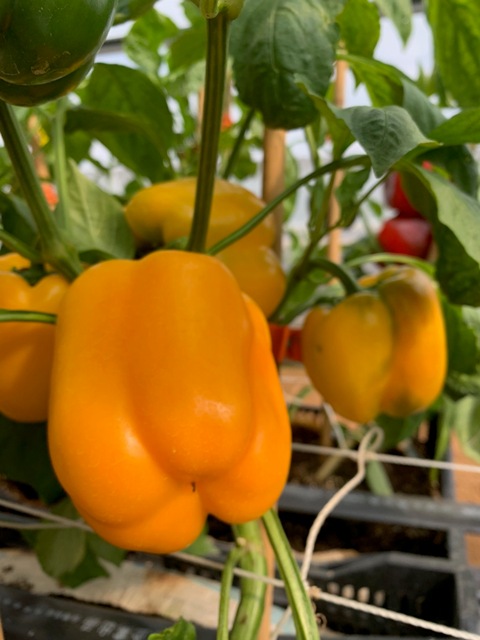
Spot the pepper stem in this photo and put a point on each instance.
(217, 33)
(55, 249)
(27, 316)
(298, 598)
(248, 617)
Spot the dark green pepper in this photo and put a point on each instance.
(48, 46)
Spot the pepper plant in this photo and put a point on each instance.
(210, 448)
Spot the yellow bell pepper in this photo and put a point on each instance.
(163, 212)
(26, 348)
(381, 350)
(259, 273)
(166, 403)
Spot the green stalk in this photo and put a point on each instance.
(60, 163)
(247, 121)
(298, 598)
(55, 249)
(340, 272)
(215, 73)
(248, 617)
(225, 588)
(27, 316)
(17, 246)
(261, 215)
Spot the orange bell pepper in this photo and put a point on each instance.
(166, 404)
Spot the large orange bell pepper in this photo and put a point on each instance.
(166, 404)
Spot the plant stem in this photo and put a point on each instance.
(247, 121)
(27, 316)
(16, 245)
(60, 163)
(249, 613)
(299, 600)
(338, 271)
(55, 248)
(215, 73)
(225, 588)
(261, 215)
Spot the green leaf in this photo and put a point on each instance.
(382, 81)
(463, 338)
(130, 94)
(457, 273)
(463, 418)
(142, 43)
(274, 40)
(360, 27)
(462, 128)
(24, 458)
(72, 555)
(398, 429)
(181, 630)
(400, 13)
(188, 47)
(61, 551)
(17, 219)
(348, 191)
(455, 28)
(456, 210)
(131, 9)
(387, 134)
(96, 222)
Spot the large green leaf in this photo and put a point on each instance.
(400, 13)
(386, 85)
(387, 134)
(272, 41)
(142, 43)
(455, 27)
(131, 95)
(360, 27)
(462, 128)
(96, 223)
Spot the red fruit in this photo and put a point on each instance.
(396, 197)
(406, 236)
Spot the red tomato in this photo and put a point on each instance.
(406, 236)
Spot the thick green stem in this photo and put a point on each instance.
(55, 249)
(261, 215)
(247, 121)
(248, 617)
(217, 32)
(298, 598)
(225, 589)
(27, 316)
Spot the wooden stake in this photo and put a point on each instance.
(272, 185)
(334, 247)
(274, 176)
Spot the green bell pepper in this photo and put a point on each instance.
(48, 47)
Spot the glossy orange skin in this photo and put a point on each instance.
(26, 348)
(379, 351)
(166, 403)
(163, 212)
(259, 273)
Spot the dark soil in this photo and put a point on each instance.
(355, 536)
